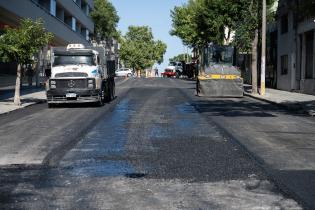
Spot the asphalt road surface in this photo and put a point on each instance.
(156, 146)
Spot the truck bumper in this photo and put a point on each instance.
(82, 96)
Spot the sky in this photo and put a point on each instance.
(155, 14)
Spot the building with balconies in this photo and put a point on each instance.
(68, 20)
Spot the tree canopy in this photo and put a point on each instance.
(105, 19)
(139, 50)
(181, 57)
(200, 22)
(249, 21)
(21, 44)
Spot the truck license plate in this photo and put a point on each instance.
(71, 95)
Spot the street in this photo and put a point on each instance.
(157, 146)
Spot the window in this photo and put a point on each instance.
(74, 24)
(284, 24)
(284, 64)
(53, 6)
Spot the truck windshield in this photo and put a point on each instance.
(73, 59)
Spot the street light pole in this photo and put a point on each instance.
(263, 50)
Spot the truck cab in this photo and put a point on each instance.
(79, 75)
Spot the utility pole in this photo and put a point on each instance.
(263, 50)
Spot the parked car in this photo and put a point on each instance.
(124, 72)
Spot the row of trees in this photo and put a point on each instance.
(200, 22)
(138, 48)
(181, 57)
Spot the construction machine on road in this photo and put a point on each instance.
(221, 78)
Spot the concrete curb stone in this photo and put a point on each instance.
(306, 109)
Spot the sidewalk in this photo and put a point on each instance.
(289, 100)
(29, 95)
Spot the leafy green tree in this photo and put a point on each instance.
(105, 19)
(181, 57)
(21, 44)
(247, 32)
(184, 25)
(201, 22)
(139, 50)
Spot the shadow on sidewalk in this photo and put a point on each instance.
(7, 93)
(239, 108)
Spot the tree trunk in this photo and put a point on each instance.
(38, 67)
(254, 63)
(17, 99)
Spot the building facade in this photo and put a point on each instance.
(296, 47)
(68, 20)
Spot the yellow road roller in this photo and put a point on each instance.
(221, 78)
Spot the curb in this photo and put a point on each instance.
(38, 101)
(296, 107)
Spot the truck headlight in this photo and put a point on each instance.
(53, 84)
(91, 83)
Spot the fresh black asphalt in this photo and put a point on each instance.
(156, 146)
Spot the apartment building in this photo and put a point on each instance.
(68, 20)
(296, 47)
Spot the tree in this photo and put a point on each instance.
(105, 19)
(21, 44)
(181, 57)
(247, 32)
(139, 50)
(201, 22)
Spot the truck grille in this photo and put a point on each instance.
(71, 83)
(72, 74)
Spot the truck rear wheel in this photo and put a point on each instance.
(113, 92)
(108, 96)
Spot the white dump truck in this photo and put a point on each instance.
(80, 74)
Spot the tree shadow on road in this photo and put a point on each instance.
(240, 108)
